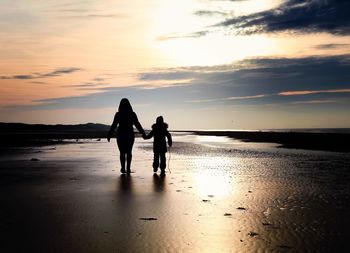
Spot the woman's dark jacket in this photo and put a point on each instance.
(125, 122)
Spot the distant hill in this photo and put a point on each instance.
(19, 133)
(40, 128)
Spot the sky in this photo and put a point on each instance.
(201, 64)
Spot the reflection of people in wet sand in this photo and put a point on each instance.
(159, 183)
(160, 133)
(124, 120)
(125, 184)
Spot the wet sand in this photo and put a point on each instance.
(222, 195)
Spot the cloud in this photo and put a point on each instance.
(83, 10)
(308, 92)
(38, 82)
(88, 16)
(302, 16)
(202, 100)
(71, 4)
(257, 81)
(181, 36)
(99, 79)
(60, 71)
(93, 84)
(76, 10)
(260, 80)
(88, 85)
(176, 74)
(225, 0)
(313, 102)
(247, 97)
(229, 98)
(331, 46)
(18, 77)
(292, 16)
(209, 13)
(265, 75)
(57, 72)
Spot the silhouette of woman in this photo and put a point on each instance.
(125, 118)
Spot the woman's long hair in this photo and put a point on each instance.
(125, 106)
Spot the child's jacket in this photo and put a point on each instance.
(160, 132)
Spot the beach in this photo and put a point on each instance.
(220, 195)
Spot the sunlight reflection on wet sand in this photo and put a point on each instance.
(209, 182)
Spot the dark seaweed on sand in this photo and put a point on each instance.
(148, 219)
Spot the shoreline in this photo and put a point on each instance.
(17, 134)
(335, 142)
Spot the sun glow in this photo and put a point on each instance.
(173, 37)
(215, 49)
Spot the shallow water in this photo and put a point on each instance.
(222, 195)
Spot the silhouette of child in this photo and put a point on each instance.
(159, 132)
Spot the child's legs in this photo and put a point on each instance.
(162, 161)
(156, 160)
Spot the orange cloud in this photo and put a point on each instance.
(246, 97)
(307, 92)
(313, 102)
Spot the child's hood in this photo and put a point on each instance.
(160, 126)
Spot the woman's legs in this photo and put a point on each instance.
(125, 144)
(128, 161)
(122, 162)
